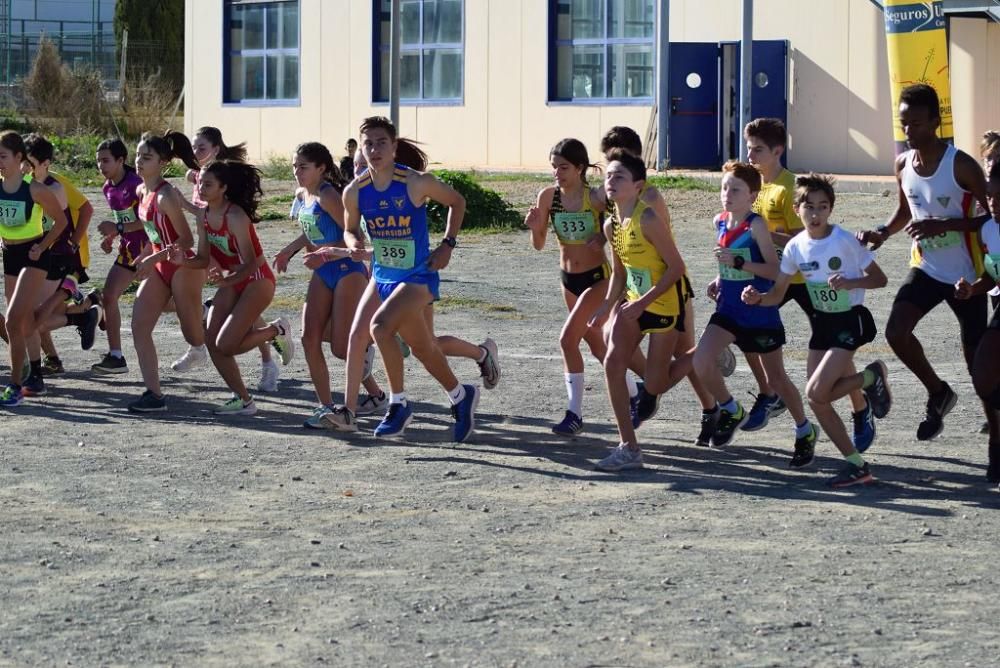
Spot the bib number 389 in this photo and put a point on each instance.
(396, 254)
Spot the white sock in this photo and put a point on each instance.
(574, 389)
(803, 429)
(116, 353)
(201, 348)
(633, 387)
(457, 395)
(482, 355)
(397, 398)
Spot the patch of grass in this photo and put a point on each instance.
(680, 183)
(505, 311)
(280, 199)
(658, 181)
(277, 167)
(510, 177)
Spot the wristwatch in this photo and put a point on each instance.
(883, 231)
(121, 228)
(738, 262)
(450, 241)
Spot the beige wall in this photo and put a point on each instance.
(839, 106)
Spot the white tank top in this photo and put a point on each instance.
(945, 257)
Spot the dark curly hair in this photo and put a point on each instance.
(242, 182)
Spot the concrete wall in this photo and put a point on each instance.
(839, 106)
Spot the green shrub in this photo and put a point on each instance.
(484, 208)
(277, 167)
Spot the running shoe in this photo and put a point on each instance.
(864, 428)
(805, 449)
(52, 366)
(489, 368)
(340, 419)
(571, 425)
(709, 422)
(269, 374)
(237, 406)
(880, 398)
(11, 396)
(851, 474)
(622, 458)
(88, 330)
(764, 408)
(395, 421)
(96, 298)
(728, 424)
(939, 404)
(283, 341)
(633, 409)
(194, 358)
(316, 421)
(646, 405)
(110, 364)
(726, 362)
(370, 405)
(206, 306)
(33, 386)
(464, 413)
(148, 403)
(366, 371)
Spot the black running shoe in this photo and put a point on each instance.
(571, 425)
(33, 386)
(52, 366)
(646, 405)
(939, 404)
(709, 420)
(728, 424)
(878, 395)
(993, 469)
(851, 474)
(148, 403)
(88, 330)
(805, 449)
(110, 364)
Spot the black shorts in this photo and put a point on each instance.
(63, 265)
(994, 320)
(580, 282)
(923, 292)
(799, 293)
(652, 323)
(848, 330)
(760, 340)
(15, 258)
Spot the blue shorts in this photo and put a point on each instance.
(431, 279)
(332, 272)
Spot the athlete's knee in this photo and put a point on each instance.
(897, 332)
(704, 361)
(339, 349)
(616, 361)
(380, 330)
(817, 394)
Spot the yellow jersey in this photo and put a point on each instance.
(644, 266)
(776, 205)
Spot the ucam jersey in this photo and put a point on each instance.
(948, 256)
(840, 252)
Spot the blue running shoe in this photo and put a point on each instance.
(464, 413)
(11, 396)
(395, 421)
(864, 428)
(764, 407)
(571, 425)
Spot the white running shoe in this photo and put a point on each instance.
(340, 419)
(195, 358)
(369, 362)
(489, 368)
(283, 342)
(370, 405)
(269, 374)
(236, 406)
(622, 458)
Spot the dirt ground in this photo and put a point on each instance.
(184, 539)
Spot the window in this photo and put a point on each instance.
(432, 50)
(261, 52)
(602, 50)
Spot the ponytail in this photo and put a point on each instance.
(172, 145)
(213, 135)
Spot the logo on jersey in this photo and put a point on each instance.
(399, 202)
(808, 266)
(835, 263)
(383, 204)
(943, 201)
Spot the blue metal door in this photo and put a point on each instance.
(769, 97)
(694, 108)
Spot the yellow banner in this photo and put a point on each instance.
(917, 40)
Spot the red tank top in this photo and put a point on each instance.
(159, 228)
(223, 245)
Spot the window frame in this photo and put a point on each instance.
(607, 43)
(228, 53)
(378, 48)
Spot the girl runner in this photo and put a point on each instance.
(746, 256)
(337, 281)
(648, 273)
(120, 186)
(161, 211)
(838, 270)
(231, 193)
(391, 198)
(27, 254)
(576, 212)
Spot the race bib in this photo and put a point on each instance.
(12, 213)
(638, 280)
(732, 273)
(125, 216)
(941, 241)
(992, 264)
(221, 242)
(394, 253)
(574, 228)
(828, 300)
(152, 232)
(307, 222)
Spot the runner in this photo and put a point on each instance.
(27, 255)
(938, 186)
(230, 191)
(392, 200)
(648, 273)
(747, 257)
(161, 211)
(626, 138)
(837, 270)
(120, 185)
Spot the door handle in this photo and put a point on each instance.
(673, 104)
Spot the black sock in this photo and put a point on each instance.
(36, 367)
(77, 319)
(710, 411)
